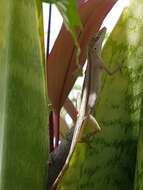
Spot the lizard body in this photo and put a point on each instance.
(94, 67)
(90, 86)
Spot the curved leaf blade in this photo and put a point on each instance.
(23, 112)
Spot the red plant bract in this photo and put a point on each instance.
(62, 59)
(62, 65)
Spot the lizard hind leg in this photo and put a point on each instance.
(89, 128)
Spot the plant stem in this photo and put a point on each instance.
(56, 122)
(51, 131)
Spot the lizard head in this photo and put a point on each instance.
(97, 39)
(102, 32)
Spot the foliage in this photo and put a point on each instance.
(68, 10)
(23, 110)
(64, 68)
(110, 160)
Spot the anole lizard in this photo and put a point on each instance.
(90, 91)
(90, 86)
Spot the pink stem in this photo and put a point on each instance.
(51, 131)
(56, 122)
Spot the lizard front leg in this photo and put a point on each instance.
(109, 71)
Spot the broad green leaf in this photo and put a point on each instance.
(23, 112)
(41, 27)
(135, 25)
(139, 165)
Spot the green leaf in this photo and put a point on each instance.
(68, 10)
(139, 165)
(40, 28)
(23, 107)
(135, 25)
